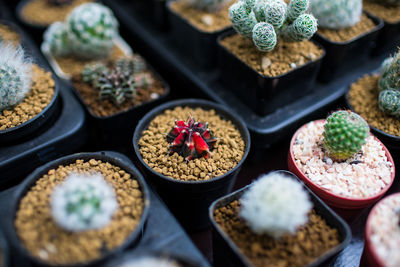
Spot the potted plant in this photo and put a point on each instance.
(346, 33)
(275, 221)
(381, 232)
(342, 162)
(79, 210)
(192, 151)
(270, 54)
(200, 22)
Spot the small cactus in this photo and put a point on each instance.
(390, 74)
(207, 5)
(266, 21)
(56, 37)
(15, 76)
(83, 202)
(59, 2)
(276, 205)
(337, 14)
(135, 64)
(92, 72)
(345, 133)
(389, 102)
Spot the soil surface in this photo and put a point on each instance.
(9, 35)
(389, 14)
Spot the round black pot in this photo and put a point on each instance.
(4, 251)
(226, 253)
(189, 201)
(112, 158)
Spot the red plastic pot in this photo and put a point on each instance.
(334, 200)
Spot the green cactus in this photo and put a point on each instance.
(92, 72)
(266, 21)
(389, 102)
(15, 76)
(345, 133)
(390, 74)
(135, 64)
(207, 5)
(56, 37)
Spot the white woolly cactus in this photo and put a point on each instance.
(207, 5)
(275, 204)
(15, 75)
(83, 202)
(337, 14)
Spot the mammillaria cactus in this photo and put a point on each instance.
(207, 5)
(345, 133)
(266, 21)
(389, 102)
(336, 14)
(56, 37)
(59, 2)
(83, 202)
(390, 73)
(15, 76)
(275, 204)
(191, 139)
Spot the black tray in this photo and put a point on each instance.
(162, 232)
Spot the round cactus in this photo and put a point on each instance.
(207, 5)
(15, 76)
(297, 8)
(337, 14)
(92, 72)
(83, 203)
(302, 28)
(386, 65)
(242, 20)
(249, 4)
(91, 28)
(56, 38)
(275, 12)
(389, 102)
(264, 36)
(390, 78)
(345, 133)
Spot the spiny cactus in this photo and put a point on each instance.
(345, 133)
(191, 139)
(56, 37)
(266, 21)
(59, 2)
(390, 74)
(337, 14)
(83, 202)
(134, 64)
(389, 102)
(92, 72)
(15, 75)
(276, 205)
(207, 5)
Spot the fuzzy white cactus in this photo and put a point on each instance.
(275, 204)
(83, 202)
(56, 38)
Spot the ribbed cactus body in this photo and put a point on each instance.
(345, 133)
(56, 37)
(92, 72)
(389, 102)
(243, 21)
(207, 5)
(302, 28)
(390, 78)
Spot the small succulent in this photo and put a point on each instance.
(266, 21)
(15, 76)
(191, 139)
(135, 64)
(390, 73)
(59, 2)
(92, 72)
(389, 102)
(337, 14)
(56, 37)
(83, 202)
(345, 133)
(275, 204)
(207, 5)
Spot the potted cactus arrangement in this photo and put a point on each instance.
(269, 223)
(270, 54)
(346, 33)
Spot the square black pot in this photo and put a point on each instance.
(261, 93)
(343, 57)
(226, 253)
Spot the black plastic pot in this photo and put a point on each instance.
(196, 45)
(39, 172)
(261, 93)
(36, 30)
(189, 201)
(226, 253)
(343, 57)
(4, 251)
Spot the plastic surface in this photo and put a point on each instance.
(331, 198)
(226, 253)
(189, 200)
(343, 57)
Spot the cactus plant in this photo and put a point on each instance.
(134, 64)
(56, 37)
(59, 2)
(92, 72)
(191, 139)
(275, 204)
(15, 75)
(266, 21)
(207, 5)
(337, 14)
(83, 202)
(389, 102)
(345, 133)
(390, 73)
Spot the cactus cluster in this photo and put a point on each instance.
(276, 205)
(266, 21)
(336, 14)
(83, 202)
(59, 2)
(207, 5)
(345, 133)
(15, 75)
(389, 86)
(88, 33)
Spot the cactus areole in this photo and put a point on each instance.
(191, 139)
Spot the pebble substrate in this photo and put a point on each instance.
(364, 175)
(389, 14)
(9, 35)
(154, 148)
(310, 241)
(44, 239)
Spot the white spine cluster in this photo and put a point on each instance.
(83, 202)
(275, 204)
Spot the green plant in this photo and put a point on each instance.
(266, 21)
(207, 5)
(390, 73)
(56, 37)
(92, 72)
(336, 14)
(345, 133)
(15, 76)
(389, 102)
